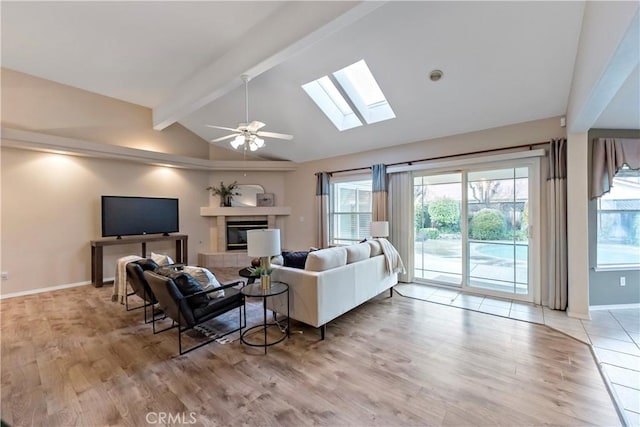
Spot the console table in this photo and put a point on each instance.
(97, 258)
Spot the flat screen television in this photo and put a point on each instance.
(130, 216)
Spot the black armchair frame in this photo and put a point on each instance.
(140, 287)
(175, 305)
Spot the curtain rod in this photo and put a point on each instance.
(410, 162)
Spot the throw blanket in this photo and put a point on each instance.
(120, 282)
(394, 263)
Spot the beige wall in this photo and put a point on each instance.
(51, 202)
(31, 103)
(300, 185)
(51, 211)
(272, 182)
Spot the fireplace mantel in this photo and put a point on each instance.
(245, 211)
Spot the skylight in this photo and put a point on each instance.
(325, 94)
(362, 94)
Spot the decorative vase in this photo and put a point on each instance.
(265, 281)
(225, 201)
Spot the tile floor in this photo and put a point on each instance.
(614, 335)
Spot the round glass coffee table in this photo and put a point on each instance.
(255, 290)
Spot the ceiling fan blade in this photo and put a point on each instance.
(222, 127)
(275, 135)
(233, 135)
(254, 126)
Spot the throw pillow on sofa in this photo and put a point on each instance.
(376, 247)
(358, 252)
(326, 259)
(295, 259)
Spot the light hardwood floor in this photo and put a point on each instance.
(73, 357)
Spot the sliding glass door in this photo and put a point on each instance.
(497, 232)
(438, 243)
(473, 228)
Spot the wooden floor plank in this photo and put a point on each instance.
(73, 357)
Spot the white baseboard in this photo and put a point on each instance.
(613, 306)
(47, 289)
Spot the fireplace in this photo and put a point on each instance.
(237, 233)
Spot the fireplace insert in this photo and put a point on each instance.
(237, 233)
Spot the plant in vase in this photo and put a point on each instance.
(226, 193)
(263, 273)
(259, 271)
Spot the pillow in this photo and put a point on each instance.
(376, 248)
(326, 259)
(161, 259)
(206, 278)
(147, 264)
(277, 260)
(187, 286)
(358, 252)
(295, 259)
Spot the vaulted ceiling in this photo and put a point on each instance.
(503, 63)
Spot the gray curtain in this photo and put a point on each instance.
(379, 187)
(401, 220)
(322, 209)
(557, 225)
(608, 156)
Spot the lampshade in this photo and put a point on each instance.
(380, 229)
(263, 243)
(237, 141)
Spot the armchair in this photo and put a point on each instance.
(140, 286)
(188, 311)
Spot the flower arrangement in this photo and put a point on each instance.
(259, 271)
(226, 193)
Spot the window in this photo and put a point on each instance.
(326, 96)
(363, 90)
(350, 97)
(350, 211)
(618, 231)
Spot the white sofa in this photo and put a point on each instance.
(334, 281)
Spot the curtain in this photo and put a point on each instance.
(609, 155)
(322, 208)
(379, 187)
(401, 220)
(557, 225)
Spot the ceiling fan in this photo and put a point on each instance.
(248, 134)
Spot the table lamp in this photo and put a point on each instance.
(380, 229)
(264, 243)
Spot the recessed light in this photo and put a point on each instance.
(435, 75)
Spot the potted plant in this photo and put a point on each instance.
(226, 193)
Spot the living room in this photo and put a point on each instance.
(51, 201)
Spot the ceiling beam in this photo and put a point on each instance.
(291, 29)
(607, 55)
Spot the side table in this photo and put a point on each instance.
(247, 275)
(255, 291)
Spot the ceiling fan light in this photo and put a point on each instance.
(253, 146)
(238, 141)
(259, 142)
